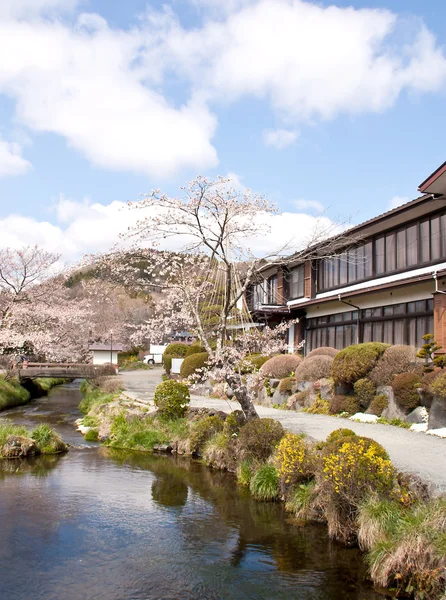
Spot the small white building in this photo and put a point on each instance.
(105, 353)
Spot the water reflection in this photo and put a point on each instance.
(109, 525)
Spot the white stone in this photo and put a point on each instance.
(420, 427)
(438, 432)
(363, 418)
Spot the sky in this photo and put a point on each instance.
(331, 110)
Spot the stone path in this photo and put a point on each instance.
(411, 452)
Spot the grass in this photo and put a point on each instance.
(91, 435)
(47, 440)
(93, 397)
(245, 471)
(12, 394)
(47, 383)
(265, 483)
(410, 551)
(394, 422)
(301, 500)
(7, 428)
(143, 434)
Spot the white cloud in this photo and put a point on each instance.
(306, 60)
(108, 92)
(279, 138)
(11, 161)
(309, 205)
(87, 227)
(397, 201)
(85, 84)
(25, 8)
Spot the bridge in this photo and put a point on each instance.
(32, 370)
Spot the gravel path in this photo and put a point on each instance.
(411, 452)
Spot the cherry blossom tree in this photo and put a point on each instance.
(202, 285)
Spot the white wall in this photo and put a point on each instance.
(101, 357)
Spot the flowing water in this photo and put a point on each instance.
(97, 524)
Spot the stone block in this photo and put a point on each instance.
(437, 415)
(418, 415)
(279, 398)
(303, 386)
(393, 411)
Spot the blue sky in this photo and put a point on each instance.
(313, 105)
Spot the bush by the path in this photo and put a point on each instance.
(193, 363)
(195, 349)
(202, 431)
(323, 351)
(172, 398)
(395, 360)
(252, 363)
(174, 350)
(295, 461)
(355, 362)
(281, 366)
(365, 391)
(259, 438)
(404, 387)
(314, 367)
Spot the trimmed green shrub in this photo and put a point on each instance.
(177, 349)
(171, 398)
(365, 391)
(193, 362)
(344, 404)
(438, 385)
(323, 351)
(339, 434)
(287, 385)
(355, 362)
(281, 366)
(378, 404)
(195, 349)
(174, 350)
(404, 387)
(395, 360)
(264, 485)
(202, 431)
(252, 363)
(259, 437)
(314, 367)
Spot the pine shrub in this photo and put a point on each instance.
(339, 434)
(319, 407)
(281, 366)
(438, 385)
(355, 362)
(171, 398)
(314, 367)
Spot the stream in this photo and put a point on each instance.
(101, 524)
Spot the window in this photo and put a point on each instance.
(297, 282)
(403, 323)
(272, 290)
(419, 243)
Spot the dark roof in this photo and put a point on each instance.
(428, 185)
(113, 348)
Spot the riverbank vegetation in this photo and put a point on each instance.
(13, 394)
(347, 482)
(17, 442)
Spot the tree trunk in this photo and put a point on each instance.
(242, 397)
